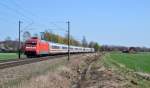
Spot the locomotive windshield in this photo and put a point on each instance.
(31, 43)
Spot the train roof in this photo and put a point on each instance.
(58, 44)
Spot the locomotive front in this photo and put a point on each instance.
(31, 46)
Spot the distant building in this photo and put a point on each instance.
(8, 46)
(130, 50)
(125, 51)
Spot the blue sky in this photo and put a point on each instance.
(112, 22)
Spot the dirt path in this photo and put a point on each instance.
(95, 75)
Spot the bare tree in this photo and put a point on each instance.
(8, 43)
(26, 35)
(91, 44)
(84, 42)
(36, 35)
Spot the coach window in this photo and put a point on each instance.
(55, 47)
(71, 48)
(64, 47)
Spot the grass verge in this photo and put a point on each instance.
(7, 56)
(126, 65)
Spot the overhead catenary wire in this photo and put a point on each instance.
(28, 12)
(58, 27)
(16, 11)
(22, 9)
(25, 17)
(4, 18)
(27, 26)
(28, 20)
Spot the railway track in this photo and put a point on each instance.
(17, 62)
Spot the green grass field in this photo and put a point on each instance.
(139, 62)
(6, 56)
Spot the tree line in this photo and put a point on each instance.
(109, 48)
